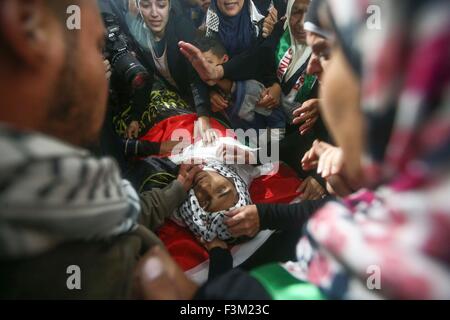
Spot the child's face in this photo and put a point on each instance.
(213, 59)
(214, 192)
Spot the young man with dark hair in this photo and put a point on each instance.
(60, 207)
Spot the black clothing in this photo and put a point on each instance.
(276, 216)
(233, 285)
(189, 85)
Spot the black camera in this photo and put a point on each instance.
(123, 63)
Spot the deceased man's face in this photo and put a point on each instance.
(214, 192)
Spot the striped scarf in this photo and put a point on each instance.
(52, 193)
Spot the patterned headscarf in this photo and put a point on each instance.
(404, 93)
(394, 241)
(210, 225)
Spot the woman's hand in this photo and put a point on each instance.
(133, 130)
(243, 221)
(270, 97)
(203, 130)
(329, 162)
(208, 72)
(328, 159)
(269, 22)
(218, 103)
(307, 114)
(311, 189)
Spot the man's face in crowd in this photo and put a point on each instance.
(320, 54)
(59, 73)
(214, 192)
(230, 8)
(156, 15)
(297, 19)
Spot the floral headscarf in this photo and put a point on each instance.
(393, 242)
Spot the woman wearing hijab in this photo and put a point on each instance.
(158, 28)
(391, 238)
(299, 94)
(239, 27)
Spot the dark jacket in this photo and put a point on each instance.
(189, 84)
(258, 62)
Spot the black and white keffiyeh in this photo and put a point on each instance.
(210, 225)
(52, 193)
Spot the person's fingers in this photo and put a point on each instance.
(234, 217)
(273, 104)
(303, 185)
(219, 106)
(320, 165)
(320, 147)
(189, 50)
(305, 116)
(215, 104)
(308, 125)
(194, 170)
(297, 112)
(234, 212)
(310, 165)
(265, 31)
(273, 12)
(237, 231)
(306, 156)
(326, 165)
(186, 54)
(305, 107)
(324, 161)
(234, 221)
(307, 193)
(337, 164)
(264, 93)
(222, 103)
(265, 101)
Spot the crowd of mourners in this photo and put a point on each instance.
(352, 96)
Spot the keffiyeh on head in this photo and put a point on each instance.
(210, 225)
(404, 93)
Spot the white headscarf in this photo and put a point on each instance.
(300, 51)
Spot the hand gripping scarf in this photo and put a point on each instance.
(210, 225)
